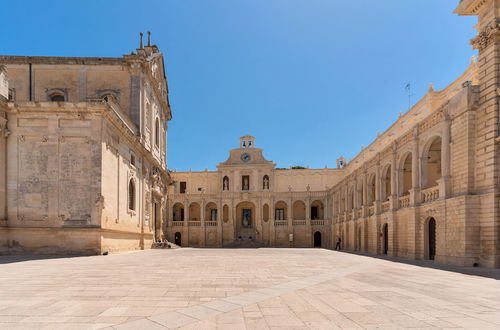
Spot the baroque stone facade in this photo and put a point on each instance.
(427, 188)
(83, 153)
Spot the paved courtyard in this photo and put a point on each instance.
(243, 289)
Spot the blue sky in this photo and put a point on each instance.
(311, 79)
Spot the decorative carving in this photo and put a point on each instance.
(491, 32)
(20, 217)
(44, 138)
(21, 138)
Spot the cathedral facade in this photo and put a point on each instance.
(82, 154)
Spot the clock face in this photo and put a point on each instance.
(245, 157)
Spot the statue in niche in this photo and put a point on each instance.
(266, 183)
(245, 183)
(247, 217)
(225, 183)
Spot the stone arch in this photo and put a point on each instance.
(131, 195)
(211, 212)
(245, 215)
(385, 238)
(359, 193)
(281, 210)
(386, 183)
(372, 186)
(194, 211)
(317, 239)
(431, 162)
(178, 212)
(405, 174)
(299, 210)
(350, 199)
(317, 210)
(430, 238)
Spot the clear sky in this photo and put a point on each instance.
(311, 79)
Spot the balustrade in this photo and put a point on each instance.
(430, 194)
(404, 201)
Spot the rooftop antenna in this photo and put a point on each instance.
(408, 91)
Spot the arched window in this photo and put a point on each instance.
(157, 132)
(131, 195)
(56, 97)
(225, 183)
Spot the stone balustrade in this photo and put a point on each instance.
(281, 222)
(430, 194)
(404, 201)
(211, 223)
(194, 223)
(318, 222)
(385, 206)
(299, 222)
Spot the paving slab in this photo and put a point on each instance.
(244, 289)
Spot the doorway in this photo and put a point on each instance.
(314, 213)
(317, 239)
(431, 230)
(385, 234)
(177, 239)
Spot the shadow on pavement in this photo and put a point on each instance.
(493, 273)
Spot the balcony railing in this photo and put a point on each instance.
(386, 206)
(430, 194)
(281, 222)
(177, 223)
(404, 201)
(211, 223)
(193, 223)
(299, 222)
(318, 222)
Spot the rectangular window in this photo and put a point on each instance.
(182, 187)
(279, 214)
(245, 182)
(213, 215)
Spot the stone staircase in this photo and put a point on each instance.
(244, 244)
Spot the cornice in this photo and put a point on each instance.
(470, 7)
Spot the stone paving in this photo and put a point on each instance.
(243, 289)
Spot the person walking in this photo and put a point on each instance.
(337, 245)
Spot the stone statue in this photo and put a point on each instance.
(266, 183)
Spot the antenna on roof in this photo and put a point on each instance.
(408, 90)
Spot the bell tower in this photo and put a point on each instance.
(247, 141)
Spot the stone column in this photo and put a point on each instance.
(4, 133)
(415, 174)
(444, 189)
(272, 229)
(202, 220)
(186, 223)
(220, 221)
(394, 186)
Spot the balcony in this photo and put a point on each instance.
(279, 223)
(371, 210)
(404, 201)
(430, 194)
(318, 222)
(299, 222)
(385, 206)
(177, 223)
(194, 223)
(210, 223)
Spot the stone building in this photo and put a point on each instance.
(250, 202)
(83, 157)
(427, 188)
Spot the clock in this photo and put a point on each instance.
(245, 157)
